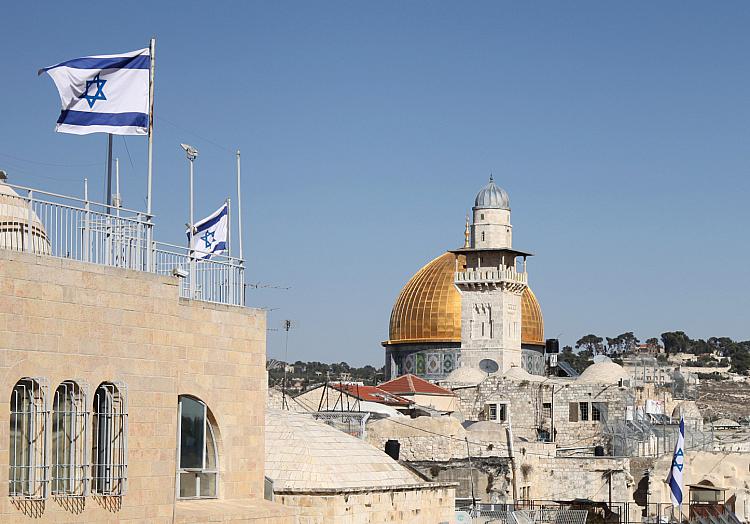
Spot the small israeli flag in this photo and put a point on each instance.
(103, 93)
(675, 478)
(210, 234)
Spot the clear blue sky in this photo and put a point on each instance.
(620, 130)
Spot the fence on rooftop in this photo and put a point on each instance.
(80, 229)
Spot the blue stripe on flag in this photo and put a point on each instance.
(118, 62)
(209, 223)
(676, 490)
(82, 118)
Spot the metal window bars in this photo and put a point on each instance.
(109, 466)
(70, 466)
(29, 470)
(80, 229)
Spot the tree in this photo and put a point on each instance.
(675, 342)
(591, 343)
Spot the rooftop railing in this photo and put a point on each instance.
(80, 229)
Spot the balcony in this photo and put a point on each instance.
(62, 226)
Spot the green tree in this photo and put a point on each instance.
(591, 343)
(675, 342)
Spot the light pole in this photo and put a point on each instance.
(192, 154)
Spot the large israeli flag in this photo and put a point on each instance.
(103, 93)
(675, 478)
(210, 234)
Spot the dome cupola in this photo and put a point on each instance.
(492, 197)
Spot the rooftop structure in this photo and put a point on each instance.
(45, 223)
(331, 476)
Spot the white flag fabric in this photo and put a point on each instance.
(675, 477)
(210, 234)
(103, 93)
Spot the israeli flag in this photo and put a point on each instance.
(103, 93)
(210, 234)
(675, 479)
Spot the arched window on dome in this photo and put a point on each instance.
(28, 473)
(198, 464)
(70, 467)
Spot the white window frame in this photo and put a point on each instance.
(501, 408)
(69, 454)
(208, 433)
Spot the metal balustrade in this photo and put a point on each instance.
(56, 225)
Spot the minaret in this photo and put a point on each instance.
(490, 284)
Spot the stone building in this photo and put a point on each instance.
(332, 477)
(565, 411)
(469, 304)
(123, 401)
(728, 471)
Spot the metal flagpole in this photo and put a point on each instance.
(192, 232)
(239, 207)
(149, 231)
(108, 194)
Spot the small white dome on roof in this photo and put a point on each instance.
(518, 374)
(688, 409)
(14, 224)
(465, 375)
(603, 373)
(304, 454)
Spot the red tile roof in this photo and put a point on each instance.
(412, 384)
(371, 394)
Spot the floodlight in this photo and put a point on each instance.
(192, 153)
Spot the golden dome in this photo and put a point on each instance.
(532, 322)
(428, 309)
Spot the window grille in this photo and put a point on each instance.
(599, 411)
(584, 411)
(197, 473)
(29, 472)
(70, 467)
(109, 468)
(547, 410)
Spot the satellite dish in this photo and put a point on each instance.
(598, 359)
(488, 365)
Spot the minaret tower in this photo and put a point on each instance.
(491, 284)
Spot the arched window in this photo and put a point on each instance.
(69, 453)
(28, 474)
(109, 432)
(197, 472)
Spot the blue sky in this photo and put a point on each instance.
(620, 130)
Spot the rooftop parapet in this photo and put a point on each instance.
(80, 229)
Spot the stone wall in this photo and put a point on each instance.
(430, 505)
(531, 402)
(724, 470)
(66, 320)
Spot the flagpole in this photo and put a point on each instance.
(239, 208)
(108, 194)
(149, 234)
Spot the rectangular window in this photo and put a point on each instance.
(584, 411)
(599, 411)
(497, 412)
(547, 410)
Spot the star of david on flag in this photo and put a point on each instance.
(675, 477)
(210, 234)
(103, 93)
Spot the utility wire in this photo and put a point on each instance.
(208, 140)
